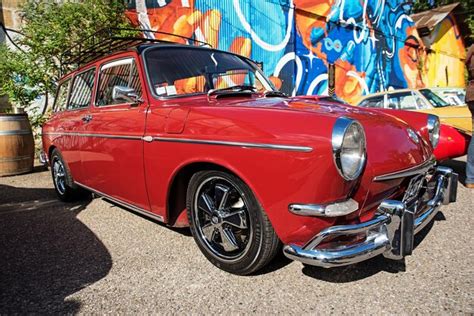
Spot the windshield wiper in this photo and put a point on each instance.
(275, 94)
(231, 89)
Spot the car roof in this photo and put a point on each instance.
(382, 93)
(140, 48)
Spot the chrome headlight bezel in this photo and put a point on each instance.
(342, 127)
(433, 125)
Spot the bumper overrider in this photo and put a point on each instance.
(390, 233)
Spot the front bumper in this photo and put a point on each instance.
(390, 232)
(43, 158)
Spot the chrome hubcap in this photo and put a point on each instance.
(59, 176)
(222, 218)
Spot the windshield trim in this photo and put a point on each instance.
(162, 98)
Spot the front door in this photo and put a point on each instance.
(112, 159)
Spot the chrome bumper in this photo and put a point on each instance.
(390, 233)
(43, 158)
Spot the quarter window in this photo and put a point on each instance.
(61, 97)
(81, 93)
(121, 73)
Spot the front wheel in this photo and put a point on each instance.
(228, 224)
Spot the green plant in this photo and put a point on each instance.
(49, 28)
(18, 79)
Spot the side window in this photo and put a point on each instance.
(60, 101)
(420, 103)
(394, 101)
(376, 102)
(121, 73)
(407, 101)
(81, 92)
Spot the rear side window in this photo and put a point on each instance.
(81, 92)
(121, 73)
(376, 102)
(61, 96)
(402, 101)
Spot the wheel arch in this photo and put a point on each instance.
(176, 195)
(50, 151)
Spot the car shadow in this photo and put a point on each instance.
(277, 263)
(47, 253)
(369, 267)
(180, 230)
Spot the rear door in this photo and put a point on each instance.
(112, 159)
(71, 107)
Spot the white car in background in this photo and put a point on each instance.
(454, 96)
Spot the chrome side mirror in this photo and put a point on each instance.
(125, 94)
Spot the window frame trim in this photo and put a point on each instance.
(96, 92)
(94, 67)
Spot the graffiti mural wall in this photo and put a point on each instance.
(444, 64)
(373, 43)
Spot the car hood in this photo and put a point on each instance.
(389, 146)
(309, 122)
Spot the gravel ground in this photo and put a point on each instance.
(95, 257)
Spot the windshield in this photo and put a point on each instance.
(433, 98)
(179, 71)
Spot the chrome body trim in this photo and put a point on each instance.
(94, 135)
(122, 203)
(234, 144)
(325, 210)
(43, 158)
(413, 136)
(15, 132)
(391, 232)
(420, 169)
(149, 138)
(338, 134)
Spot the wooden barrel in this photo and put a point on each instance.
(17, 146)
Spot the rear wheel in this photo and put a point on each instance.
(64, 185)
(228, 224)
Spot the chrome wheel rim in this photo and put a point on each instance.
(222, 218)
(59, 176)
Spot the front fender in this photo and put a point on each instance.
(418, 121)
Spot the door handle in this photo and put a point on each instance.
(87, 118)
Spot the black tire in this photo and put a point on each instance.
(66, 190)
(252, 242)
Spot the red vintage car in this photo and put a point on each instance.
(194, 136)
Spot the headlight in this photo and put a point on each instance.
(433, 129)
(349, 147)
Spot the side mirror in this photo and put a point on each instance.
(392, 106)
(125, 94)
